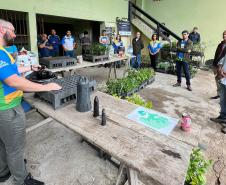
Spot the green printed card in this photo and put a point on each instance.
(154, 120)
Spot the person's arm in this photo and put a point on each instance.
(41, 45)
(15, 51)
(220, 71)
(14, 54)
(190, 36)
(24, 69)
(58, 40)
(49, 47)
(8, 74)
(199, 38)
(149, 49)
(159, 47)
(156, 51)
(62, 42)
(189, 47)
(23, 84)
(142, 45)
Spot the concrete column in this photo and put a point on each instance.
(32, 32)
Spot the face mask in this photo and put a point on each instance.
(9, 41)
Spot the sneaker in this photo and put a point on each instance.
(31, 181)
(177, 85)
(215, 97)
(6, 177)
(189, 88)
(218, 120)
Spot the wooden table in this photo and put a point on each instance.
(112, 61)
(139, 149)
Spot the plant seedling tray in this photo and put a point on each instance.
(93, 58)
(144, 84)
(67, 94)
(57, 62)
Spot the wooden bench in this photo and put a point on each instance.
(139, 149)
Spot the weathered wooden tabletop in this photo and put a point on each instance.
(164, 159)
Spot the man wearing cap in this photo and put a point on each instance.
(184, 47)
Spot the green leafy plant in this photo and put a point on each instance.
(163, 65)
(193, 71)
(99, 49)
(197, 168)
(134, 79)
(199, 47)
(138, 100)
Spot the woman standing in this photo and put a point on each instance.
(154, 48)
(117, 44)
(118, 48)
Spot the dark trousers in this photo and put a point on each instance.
(222, 100)
(55, 52)
(185, 65)
(154, 60)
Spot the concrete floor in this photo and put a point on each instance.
(56, 155)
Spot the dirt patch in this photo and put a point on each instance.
(158, 97)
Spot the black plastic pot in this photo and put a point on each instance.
(42, 76)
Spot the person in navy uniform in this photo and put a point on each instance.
(194, 36)
(54, 40)
(45, 48)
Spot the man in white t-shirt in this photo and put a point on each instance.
(221, 73)
(68, 43)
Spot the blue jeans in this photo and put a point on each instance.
(69, 53)
(185, 65)
(136, 61)
(223, 100)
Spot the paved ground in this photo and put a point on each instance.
(56, 155)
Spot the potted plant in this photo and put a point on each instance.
(197, 168)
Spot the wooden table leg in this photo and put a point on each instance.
(127, 67)
(121, 179)
(127, 176)
(132, 176)
(109, 73)
(115, 70)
